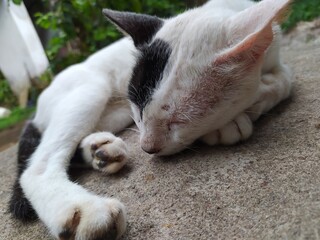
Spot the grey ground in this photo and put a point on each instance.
(265, 188)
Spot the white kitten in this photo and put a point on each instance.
(205, 74)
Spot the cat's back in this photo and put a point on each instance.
(118, 53)
(109, 67)
(114, 63)
(231, 5)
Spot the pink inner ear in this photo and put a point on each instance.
(250, 49)
(251, 31)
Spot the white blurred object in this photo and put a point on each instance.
(22, 57)
(4, 112)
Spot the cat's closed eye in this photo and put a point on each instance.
(175, 123)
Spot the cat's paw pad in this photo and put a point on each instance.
(109, 157)
(106, 152)
(102, 219)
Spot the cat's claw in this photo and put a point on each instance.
(105, 152)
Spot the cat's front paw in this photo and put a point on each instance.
(105, 152)
(100, 219)
(237, 130)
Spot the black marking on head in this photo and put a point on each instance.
(140, 27)
(148, 72)
(19, 205)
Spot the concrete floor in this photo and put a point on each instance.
(265, 188)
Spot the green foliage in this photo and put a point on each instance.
(7, 98)
(302, 10)
(80, 28)
(18, 2)
(17, 115)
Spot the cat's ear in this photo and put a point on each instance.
(140, 27)
(251, 31)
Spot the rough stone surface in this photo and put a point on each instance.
(265, 188)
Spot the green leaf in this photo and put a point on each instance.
(17, 115)
(17, 2)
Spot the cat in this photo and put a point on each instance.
(205, 74)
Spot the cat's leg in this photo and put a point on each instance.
(103, 150)
(68, 210)
(19, 206)
(274, 87)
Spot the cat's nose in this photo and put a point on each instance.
(151, 150)
(152, 142)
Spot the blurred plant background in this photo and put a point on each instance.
(301, 10)
(72, 30)
(78, 27)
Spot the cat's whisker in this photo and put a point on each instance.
(189, 147)
(133, 129)
(262, 114)
(131, 116)
(135, 91)
(192, 149)
(189, 118)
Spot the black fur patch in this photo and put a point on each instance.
(77, 158)
(19, 205)
(140, 27)
(148, 72)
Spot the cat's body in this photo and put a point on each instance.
(109, 71)
(193, 78)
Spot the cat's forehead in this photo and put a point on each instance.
(193, 28)
(173, 28)
(148, 72)
(173, 57)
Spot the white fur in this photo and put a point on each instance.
(112, 147)
(68, 111)
(198, 37)
(91, 96)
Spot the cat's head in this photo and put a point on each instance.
(195, 72)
